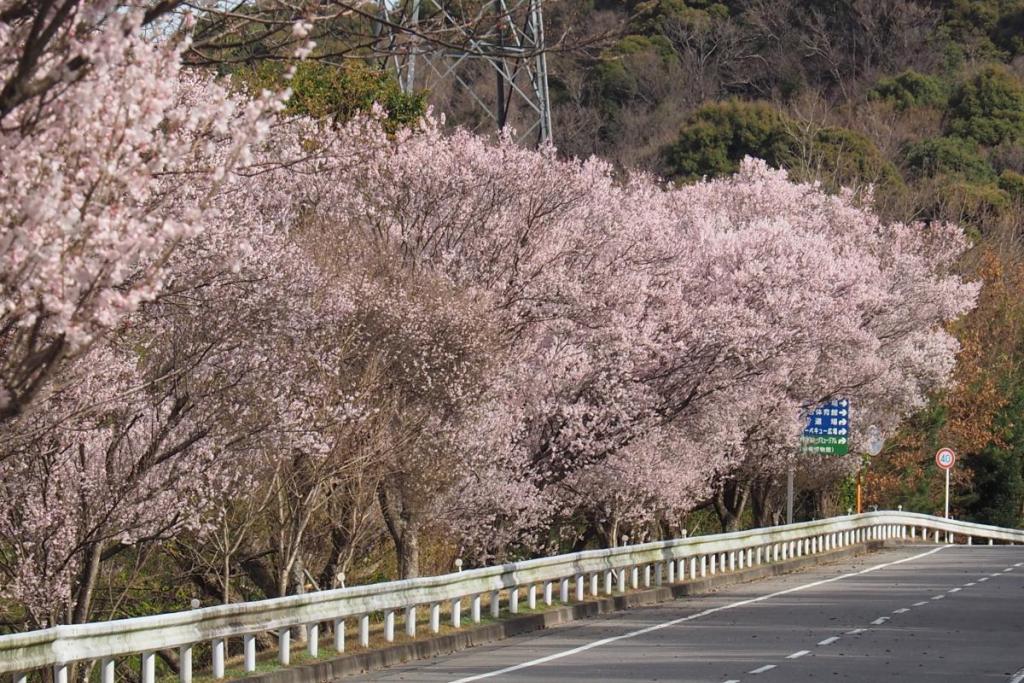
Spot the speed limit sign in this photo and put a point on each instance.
(945, 458)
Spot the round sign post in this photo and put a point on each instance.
(945, 458)
(873, 447)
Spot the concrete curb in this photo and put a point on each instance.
(472, 636)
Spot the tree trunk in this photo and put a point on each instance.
(730, 502)
(403, 528)
(87, 584)
(761, 503)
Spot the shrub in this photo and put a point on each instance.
(988, 108)
(911, 89)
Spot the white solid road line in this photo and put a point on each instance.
(798, 655)
(762, 669)
(1018, 677)
(698, 615)
(829, 641)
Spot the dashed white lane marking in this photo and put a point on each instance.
(994, 574)
(732, 681)
(921, 604)
(938, 597)
(829, 641)
(1019, 564)
(968, 585)
(691, 617)
(955, 590)
(798, 655)
(983, 579)
(762, 669)
(1018, 677)
(901, 610)
(880, 620)
(856, 631)
(1008, 569)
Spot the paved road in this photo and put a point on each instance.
(910, 614)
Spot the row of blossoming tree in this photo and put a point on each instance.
(247, 350)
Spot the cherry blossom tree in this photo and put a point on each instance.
(92, 169)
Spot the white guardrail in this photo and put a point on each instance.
(591, 571)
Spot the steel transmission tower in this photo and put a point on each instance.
(438, 40)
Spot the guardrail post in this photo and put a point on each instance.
(248, 651)
(991, 542)
(548, 593)
(107, 670)
(608, 582)
(760, 550)
(594, 580)
(284, 646)
(60, 673)
(20, 677)
(410, 621)
(474, 609)
(185, 664)
(703, 566)
(970, 540)
(148, 661)
(513, 600)
(389, 626)
(581, 588)
(647, 576)
(456, 613)
(936, 535)
(313, 639)
(435, 617)
(671, 566)
(218, 658)
(732, 560)
(531, 596)
(563, 590)
(714, 563)
(364, 628)
(682, 569)
(622, 580)
(339, 638)
(659, 573)
(634, 577)
(495, 604)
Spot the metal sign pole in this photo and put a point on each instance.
(789, 496)
(947, 494)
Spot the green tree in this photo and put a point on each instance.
(997, 494)
(716, 137)
(988, 108)
(947, 156)
(327, 91)
(911, 89)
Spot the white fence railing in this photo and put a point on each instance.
(589, 572)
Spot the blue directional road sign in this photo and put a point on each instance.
(828, 429)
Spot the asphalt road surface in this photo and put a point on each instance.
(915, 613)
